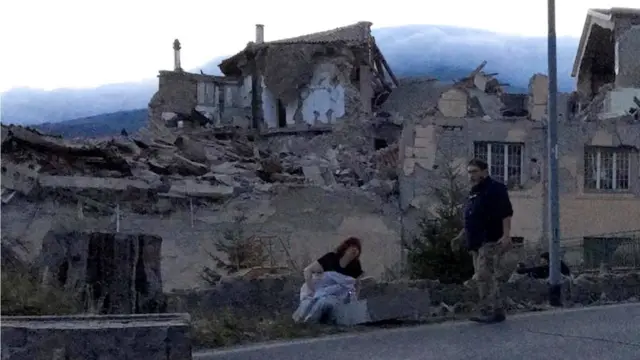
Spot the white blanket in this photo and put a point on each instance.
(332, 289)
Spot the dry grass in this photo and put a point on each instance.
(226, 328)
(22, 294)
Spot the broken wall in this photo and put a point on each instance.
(627, 48)
(437, 141)
(302, 223)
(321, 102)
(220, 99)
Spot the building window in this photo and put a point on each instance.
(607, 168)
(504, 159)
(206, 93)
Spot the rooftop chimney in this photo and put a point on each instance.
(259, 33)
(176, 55)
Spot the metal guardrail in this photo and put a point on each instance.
(617, 250)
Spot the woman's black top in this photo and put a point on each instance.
(331, 262)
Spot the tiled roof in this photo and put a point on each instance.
(355, 33)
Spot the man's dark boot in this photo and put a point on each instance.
(493, 317)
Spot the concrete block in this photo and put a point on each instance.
(424, 153)
(401, 305)
(408, 166)
(353, 313)
(425, 131)
(140, 337)
(422, 142)
(406, 304)
(453, 103)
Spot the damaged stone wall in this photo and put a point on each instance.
(306, 193)
(300, 224)
(627, 47)
(521, 293)
(223, 101)
(306, 84)
(439, 141)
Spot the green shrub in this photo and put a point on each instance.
(429, 253)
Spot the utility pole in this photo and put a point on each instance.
(555, 288)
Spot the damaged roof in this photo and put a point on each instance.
(604, 18)
(353, 35)
(483, 93)
(357, 33)
(414, 96)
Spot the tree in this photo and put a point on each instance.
(429, 254)
(241, 251)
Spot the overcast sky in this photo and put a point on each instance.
(84, 43)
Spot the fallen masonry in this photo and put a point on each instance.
(112, 337)
(194, 164)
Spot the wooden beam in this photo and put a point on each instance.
(380, 69)
(385, 64)
(478, 69)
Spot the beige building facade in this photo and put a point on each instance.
(599, 138)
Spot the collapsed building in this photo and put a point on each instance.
(307, 81)
(606, 67)
(212, 154)
(310, 140)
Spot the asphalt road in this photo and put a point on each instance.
(598, 333)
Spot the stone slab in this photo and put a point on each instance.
(408, 304)
(117, 337)
(353, 313)
(89, 182)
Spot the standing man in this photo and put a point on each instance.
(487, 234)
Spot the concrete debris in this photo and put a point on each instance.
(479, 95)
(197, 163)
(607, 103)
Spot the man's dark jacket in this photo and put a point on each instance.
(487, 206)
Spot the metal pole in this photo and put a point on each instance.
(555, 296)
(191, 210)
(118, 217)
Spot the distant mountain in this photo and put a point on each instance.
(413, 50)
(109, 124)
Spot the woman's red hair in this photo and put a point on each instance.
(349, 242)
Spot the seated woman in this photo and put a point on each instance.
(341, 269)
(344, 260)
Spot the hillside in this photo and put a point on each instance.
(98, 125)
(412, 50)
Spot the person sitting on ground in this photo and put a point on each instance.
(542, 271)
(344, 260)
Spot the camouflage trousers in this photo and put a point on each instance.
(487, 266)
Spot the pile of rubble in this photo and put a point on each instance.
(194, 164)
(478, 95)
(590, 109)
